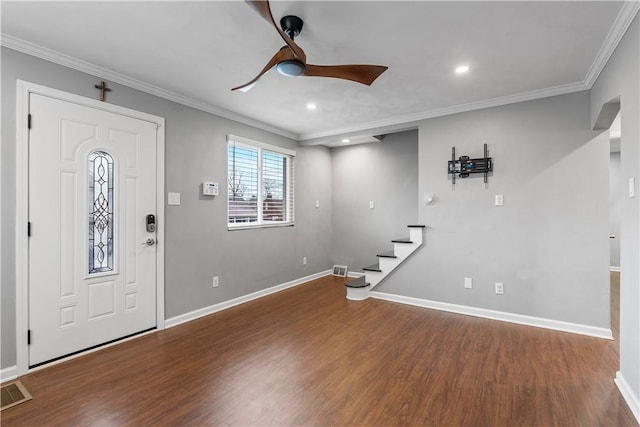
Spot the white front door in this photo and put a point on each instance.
(92, 259)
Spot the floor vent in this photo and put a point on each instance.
(13, 394)
(340, 270)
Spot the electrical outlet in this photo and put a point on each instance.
(304, 260)
(499, 288)
(216, 281)
(468, 283)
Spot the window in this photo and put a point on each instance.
(100, 212)
(260, 184)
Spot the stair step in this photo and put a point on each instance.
(359, 288)
(360, 282)
(389, 254)
(373, 267)
(402, 240)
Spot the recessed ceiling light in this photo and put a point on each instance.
(346, 140)
(311, 106)
(462, 69)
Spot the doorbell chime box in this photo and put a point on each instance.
(209, 188)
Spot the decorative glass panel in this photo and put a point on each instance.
(100, 212)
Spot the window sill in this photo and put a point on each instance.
(254, 226)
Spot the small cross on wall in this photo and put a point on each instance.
(103, 88)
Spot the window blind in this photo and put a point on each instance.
(260, 184)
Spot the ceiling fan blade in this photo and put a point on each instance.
(264, 10)
(365, 74)
(282, 55)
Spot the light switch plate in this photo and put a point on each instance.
(372, 204)
(173, 199)
(632, 187)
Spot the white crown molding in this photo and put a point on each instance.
(404, 121)
(50, 55)
(521, 319)
(621, 24)
(619, 28)
(617, 31)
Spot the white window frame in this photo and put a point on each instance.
(289, 208)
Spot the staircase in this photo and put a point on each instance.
(358, 289)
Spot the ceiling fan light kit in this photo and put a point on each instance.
(291, 60)
(291, 68)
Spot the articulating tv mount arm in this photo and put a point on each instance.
(464, 166)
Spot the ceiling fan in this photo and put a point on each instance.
(291, 60)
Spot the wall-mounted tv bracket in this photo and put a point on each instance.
(464, 166)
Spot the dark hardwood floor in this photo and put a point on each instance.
(308, 356)
(615, 304)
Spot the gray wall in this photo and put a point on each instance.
(385, 172)
(548, 244)
(619, 79)
(198, 245)
(615, 207)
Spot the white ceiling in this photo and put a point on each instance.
(195, 52)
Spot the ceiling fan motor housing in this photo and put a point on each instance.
(291, 25)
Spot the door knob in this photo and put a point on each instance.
(149, 242)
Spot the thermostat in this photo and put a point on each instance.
(209, 188)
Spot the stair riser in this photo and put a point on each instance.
(388, 264)
(373, 277)
(403, 250)
(415, 234)
(358, 294)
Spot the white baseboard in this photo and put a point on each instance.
(8, 374)
(629, 396)
(205, 311)
(498, 315)
(614, 268)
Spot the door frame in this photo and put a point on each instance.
(24, 90)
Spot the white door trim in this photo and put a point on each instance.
(24, 89)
